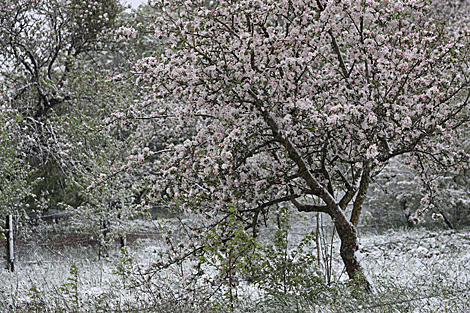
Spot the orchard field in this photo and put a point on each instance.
(414, 270)
(256, 155)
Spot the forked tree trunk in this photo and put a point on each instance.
(346, 229)
(350, 254)
(349, 250)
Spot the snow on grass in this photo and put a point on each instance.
(428, 271)
(408, 256)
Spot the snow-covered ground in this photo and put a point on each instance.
(421, 270)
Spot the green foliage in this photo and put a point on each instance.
(36, 296)
(278, 266)
(15, 173)
(93, 17)
(124, 264)
(103, 185)
(230, 252)
(70, 288)
(286, 268)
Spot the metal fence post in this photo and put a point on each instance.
(10, 243)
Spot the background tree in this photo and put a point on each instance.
(61, 62)
(395, 198)
(44, 44)
(302, 102)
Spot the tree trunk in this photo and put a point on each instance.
(446, 220)
(351, 256)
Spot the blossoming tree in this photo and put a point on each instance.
(302, 103)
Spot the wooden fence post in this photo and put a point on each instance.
(123, 240)
(10, 243)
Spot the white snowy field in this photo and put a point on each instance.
(413, 271)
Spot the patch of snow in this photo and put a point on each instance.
(360, 260)
(420, 252)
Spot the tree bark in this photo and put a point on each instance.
(446, 220)
(349, 250)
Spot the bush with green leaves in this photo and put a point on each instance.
(285, 267)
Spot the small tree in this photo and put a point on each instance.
(303, 102)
